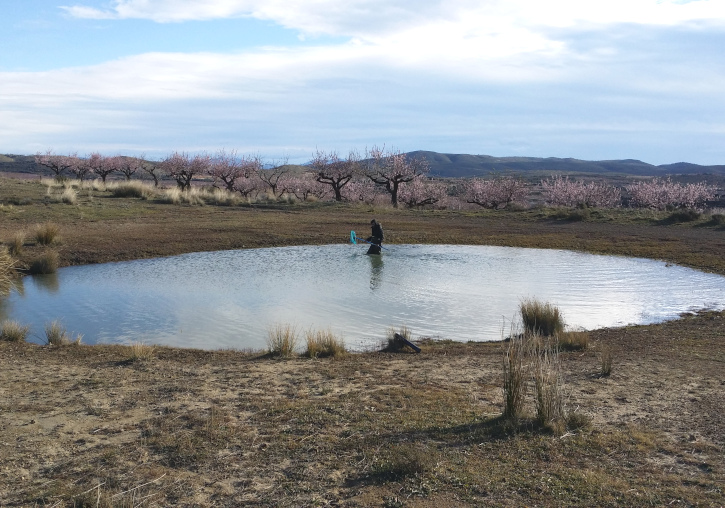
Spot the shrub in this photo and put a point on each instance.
(541, 318)
(392, 344)
(47, 233)
(16, 243)
(56, 335)
(573, 341)
(718, 219)
(685, 215)
(12, 331)
(323, 344)
(282, 341)
(404, 459)
(514, 377)
(44, 264)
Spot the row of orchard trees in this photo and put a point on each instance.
(354, 178)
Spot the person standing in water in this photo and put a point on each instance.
(375, 238)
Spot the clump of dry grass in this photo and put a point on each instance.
(47, 234)
(548, 389)
(56, 335)
(514, 377)
(573, 341)
(403, 460)
(69, 196)
(541, 318)
(141, 352)
(282, 341)
(12, 331)
(16, 243)
(606, 361)
(131, 189)
(322, 344)
(7, 270)
(222, 197)
(44, 264)
(177, 196)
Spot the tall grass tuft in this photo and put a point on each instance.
(541, 318)
(56, 335)
(7, 270)
(131, 189)
(573, 341)
(47, 234)
(548, 390)
(44, 264)
(12, 331)
(16, 243)
(141, 352)
(322, 344)
(282, 341)
(606, 361)
(69, 196)
(514, 377)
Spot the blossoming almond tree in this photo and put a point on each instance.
(422, 192)
(494, 192)
(182, 167)
(661, 194)
(330, 169)
(561, 191)
(58, 164)
(393, 168)
(228, 168)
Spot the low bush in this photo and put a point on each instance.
(541, 318)
(56, 335)
(684, 215)
(282, 341)
(322, 344)
(12, 331)
(392, 344)
(47, 234)
(44, 264)
(718, 219)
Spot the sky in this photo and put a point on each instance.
(593, 80)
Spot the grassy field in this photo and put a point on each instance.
(155, 426)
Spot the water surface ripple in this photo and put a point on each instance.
(230, 299)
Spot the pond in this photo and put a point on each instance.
(230, 299)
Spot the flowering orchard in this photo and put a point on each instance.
(378, 177)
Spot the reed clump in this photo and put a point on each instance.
(45, 263)
(47, 234)
(606, 361)
(541, 318)
(322, 344)
(548, 389)
(573, 341)
(7, 270)
(57, 335)
(12, 331)
(131, 189)
(282, 341)
(16, 244)
(141, 352)
(515, 377)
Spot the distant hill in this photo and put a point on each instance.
(462, 165)
(446, 165)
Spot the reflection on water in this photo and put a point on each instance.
(230, 299)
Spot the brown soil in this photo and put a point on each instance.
(104, 426)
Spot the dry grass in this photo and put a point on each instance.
(12, 331)
(321, 344)
(282, 341)
(605, 357)
(141, 352)
(7, 270)
(47, 234)
(16, 243)
(69, 196)
(45, 263)
(57, 335)
(541, 318)
(515, 376)
(392, 344)
(548, 389)
(132, 189)
(573, 341)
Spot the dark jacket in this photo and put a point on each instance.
(377, 234)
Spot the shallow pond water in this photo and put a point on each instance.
(230, 299)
